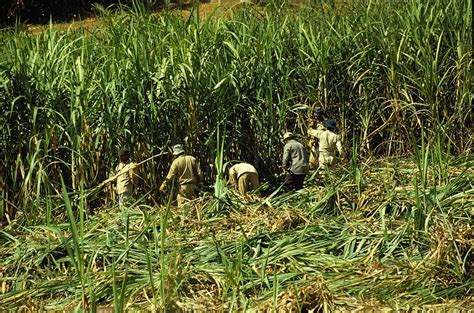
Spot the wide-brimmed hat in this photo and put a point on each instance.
(287, 135)
(178, 149)
(330, 124)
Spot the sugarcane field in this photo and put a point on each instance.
(236, 156)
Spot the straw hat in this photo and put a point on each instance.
(287, 135)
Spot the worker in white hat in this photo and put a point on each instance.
(186, 173)
(295, 162)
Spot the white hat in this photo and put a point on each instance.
(178, 149)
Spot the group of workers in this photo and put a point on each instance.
(185, 173)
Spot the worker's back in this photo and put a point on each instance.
(328, 142)
(125, 177)
(295, 157)
(242, 168)
(185, 170)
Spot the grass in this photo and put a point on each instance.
(288, 251)
(390, 228)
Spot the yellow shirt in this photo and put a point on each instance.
(125, 179)
(185, 169)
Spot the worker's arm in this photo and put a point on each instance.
(339, 147)
(171, 175)
(286, 157)
(132, 172)
(316, 133)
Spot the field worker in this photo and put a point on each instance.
(125, 172)
(185, 171)
(295, 162)
(315, 123)
(329, 144)
(244, 178)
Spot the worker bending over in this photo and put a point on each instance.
(244, 178)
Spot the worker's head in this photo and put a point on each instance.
(287, 136)
(124, 155)
(330, 124)
(178, 150)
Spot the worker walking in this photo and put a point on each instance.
(315, 123)
(295, 162)
(186, 172)
(329, 144)
(244, 178)
(126, 176)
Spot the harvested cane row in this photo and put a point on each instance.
(257, 255)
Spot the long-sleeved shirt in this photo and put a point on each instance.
(295, 158)
(329, 143)
(312, 138)
(238, 170)
(185, 169)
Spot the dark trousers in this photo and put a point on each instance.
(294, 181)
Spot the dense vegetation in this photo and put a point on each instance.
(396, 75)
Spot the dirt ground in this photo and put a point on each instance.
(205, 10)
